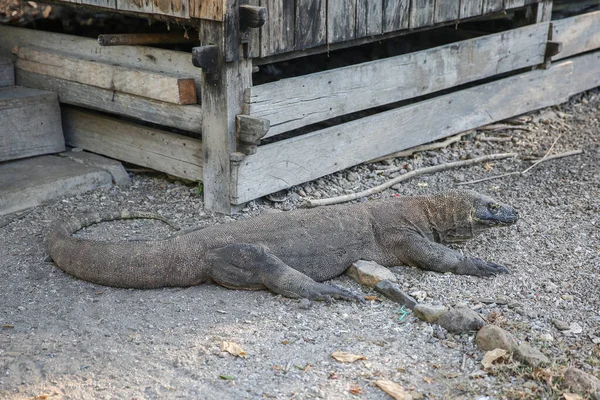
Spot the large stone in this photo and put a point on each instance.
(492, 337)
(461, 319)
(395, 293)
(428, 312)
(580, 381)
(369, 273)
(530, 356)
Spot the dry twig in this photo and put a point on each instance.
(412, 174)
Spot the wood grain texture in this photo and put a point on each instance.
(341, 20)
(292, 103)
(369, 18)
(188, 118)
(311, 23)
(289, 162)
(421, 13)
(31, 123)
(177, 63)
(7, 75)
(470, 8)
(163, 87)
(508, 4)
(143, 6)
(578, 34)
(174, 8)
(446, 11)
(163, 151)
(490, 6)
(395, 15)
(277, 34)
(213, 10)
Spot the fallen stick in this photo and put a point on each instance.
(552, 157)
(412, 174)
(498, 127)
(431, 146)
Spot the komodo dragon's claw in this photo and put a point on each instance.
(327, 292)
(488, 268)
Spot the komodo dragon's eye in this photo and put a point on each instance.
(493, 207)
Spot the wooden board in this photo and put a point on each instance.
(292, 103)
(395, 15)
(421, 13)
(30, 123)
(490, 6)
(341, 20)
(208, 9)
(99, 3)
(311, 23)
(163, 87)
(173, 154)
(277, 34)
(508, 4)
(7, 75)
(446, 11)
(369, 18)
(470, 8)
(187, 118)
(289, 162)
(177, 63)
(578, 34)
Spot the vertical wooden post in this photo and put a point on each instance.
(222, 98)
(544, 11)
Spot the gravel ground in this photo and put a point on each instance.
(65, 338)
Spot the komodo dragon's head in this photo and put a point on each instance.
(468, 213)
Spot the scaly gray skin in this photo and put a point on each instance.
(290, 253)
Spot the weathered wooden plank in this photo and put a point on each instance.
(173, 154)
(369, 18)
(578, 34)
(311, 23)
(174, 8)
(7, 75)
(144, 6)
(30, 123)
(277, 34)
(341, 20)
(421, 13)
(395, 15)
(446, 11)
(67, 66)
(292, 103)
(470, 8)
(187, 118)
(254, 34)
(492, 6)
(289, 162)
(213, 10)
(508, 4)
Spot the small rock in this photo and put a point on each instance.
(369, 273)
(567, 297)
(580, 381)
(429, 313)
(546, 337)
(420, 295)
(530, 356)
(560, 325)
(395, 293)
(21, 308)
(575, 328)
(551, 287)
(352, 176)
(461, 319)
(304, 304)
(491, 337)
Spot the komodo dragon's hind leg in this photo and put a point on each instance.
(417, 251)
(251, 266)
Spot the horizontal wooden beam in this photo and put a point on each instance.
(290, 162)
(163, 151)
(153, 85)
(578, 34)
(188, 118)
(292, 103)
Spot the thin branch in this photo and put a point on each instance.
(412, 174)
(545, 155)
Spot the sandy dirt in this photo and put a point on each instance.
(65, 338)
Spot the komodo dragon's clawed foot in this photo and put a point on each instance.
(251, 266)
(485, 268)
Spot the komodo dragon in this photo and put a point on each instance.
(290, 253)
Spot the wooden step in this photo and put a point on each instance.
(31, 123)
(7, 74)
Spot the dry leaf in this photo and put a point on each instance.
(233, 349)
(354, 389)
(42, 397)
(572, 396)
(393, 389)
(422, 184)
(427, 379)
(370, 298)
(491, 356)
(342, 356)
(47, 11)
(488, 166)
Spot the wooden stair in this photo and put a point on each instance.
(30, 121)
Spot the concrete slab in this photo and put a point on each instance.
(33, 181)
(113, 167)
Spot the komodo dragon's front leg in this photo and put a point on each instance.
(252, 267)
(417, 251)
